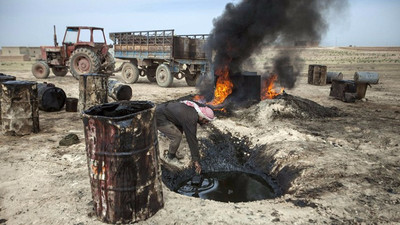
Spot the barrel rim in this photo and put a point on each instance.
(85, 113)
(22, 82)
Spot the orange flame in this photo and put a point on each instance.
(199, 98)
(223, 87)
(268, 91)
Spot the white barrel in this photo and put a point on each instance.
(333, 76)
(366, 77)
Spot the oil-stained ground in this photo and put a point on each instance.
(331, 169)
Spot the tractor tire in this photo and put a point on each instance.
(83, 61)
(164, 76)
(59, 71)
(191, 80)
(40, 70)
(130, 73)
(151, 74)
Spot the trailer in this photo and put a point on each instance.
(161, 55)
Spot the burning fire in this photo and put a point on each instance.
(224, 88)
(268, 91)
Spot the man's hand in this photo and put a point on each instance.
(197, 167)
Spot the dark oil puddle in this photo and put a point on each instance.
(228, 187)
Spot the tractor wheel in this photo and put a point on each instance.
(151, 74)
(191, 79)
(59, 71)
(130, 73)
(40, 70)
(163, 76)
(83, 61)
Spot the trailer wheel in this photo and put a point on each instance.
(151, 74)
(59, 71)
(83, 61)
(40, 70)
(191, 80)
(130, 73)
(163, 76)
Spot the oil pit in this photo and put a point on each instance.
(227, 187)
(229, 172)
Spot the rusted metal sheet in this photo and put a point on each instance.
(92, 90)
(51, 98)
(333, 76)
(366, 77)
(348, 90)
(340, 87)
(19, 107)
(317, 74)
(246, 87)
(123, 160)
(119, 91)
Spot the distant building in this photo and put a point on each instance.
(19, 53)
(306, 43)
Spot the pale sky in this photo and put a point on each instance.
(30, 22)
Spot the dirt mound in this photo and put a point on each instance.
(286, 106)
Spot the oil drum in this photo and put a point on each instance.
(92, 90)
(51, 98)
(123, 160)
(19, 107)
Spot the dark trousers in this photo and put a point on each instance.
(173, 133)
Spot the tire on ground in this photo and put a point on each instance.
(164, 76)
(130, 73)
(40, 70)
(83, 61)
(59, 71)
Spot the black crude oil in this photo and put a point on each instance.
(227, 187)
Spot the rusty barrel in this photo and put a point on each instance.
(19, 107)
(92, 90)
(4, 78)
(51, 98)
(119, 91)
(317, 74)
(123, 160)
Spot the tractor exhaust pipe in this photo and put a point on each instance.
(55, 36)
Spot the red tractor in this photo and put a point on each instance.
(84, 50)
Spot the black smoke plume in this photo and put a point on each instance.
(248, 26)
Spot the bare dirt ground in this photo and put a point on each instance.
(337, 170)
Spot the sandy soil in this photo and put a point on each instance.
(337, 170)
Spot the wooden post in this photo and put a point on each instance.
(19, 111)
(92, 90)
